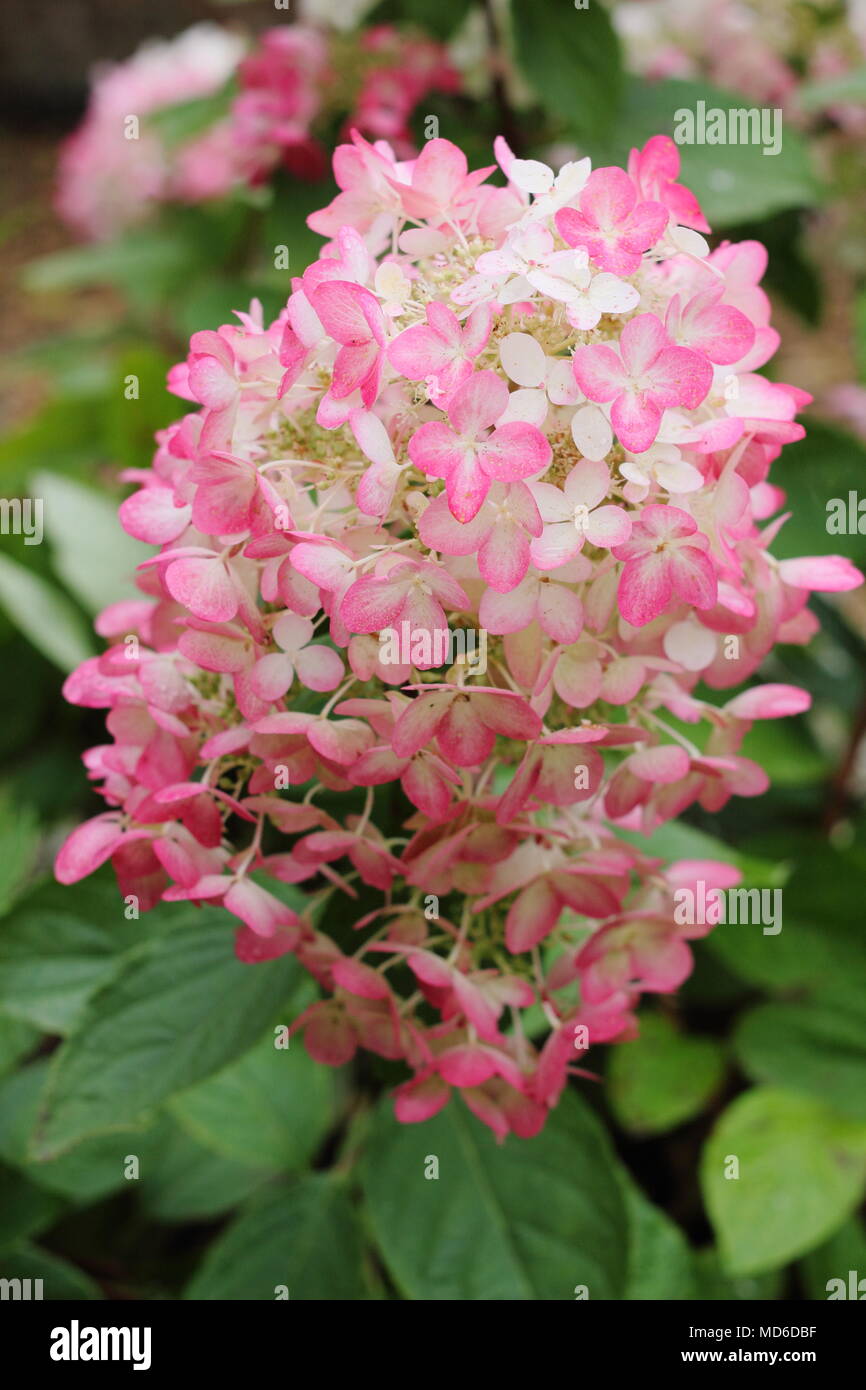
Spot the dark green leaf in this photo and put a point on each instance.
(182, 1007)
(571, 58)
(303, 1238)
(527, 1219)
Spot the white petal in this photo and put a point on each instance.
(422, 241)
(572, 177)
(690, 241)
(692, 645)
(612, 295)
(581, 313)
(561, 385)
(291, 632)
(523, 358)
(518, 288)
(678, 476)
(531, 176)
(591, 432)
(528, 406)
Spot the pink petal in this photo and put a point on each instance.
(417, 724)
(504, 556)
(204, 587)
(769, 702)
(151, 515)
(827, 574)
(514, 451)
(598, 371)
(645, 589)
(260, 910)
(636, 419)
(478, 404)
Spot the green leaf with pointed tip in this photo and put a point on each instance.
(181, 1008)
(523, 1220)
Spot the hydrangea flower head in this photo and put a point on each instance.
(443, 542)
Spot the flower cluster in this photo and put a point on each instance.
(121, 162)
(530, 412)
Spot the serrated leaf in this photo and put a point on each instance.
(181, 1007)
(270, 1109)
(528, 1219)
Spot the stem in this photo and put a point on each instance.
(507, 124)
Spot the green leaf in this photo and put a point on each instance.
(439, 18)
(801, 1172)
(270, 1109)
(835, 1259)
(734, 183)
(44, 615)
(714, 1284)
(93, 555)
(130, 423)
(571, 58)
(19, 846)
(848, 86)
(818, 1048)
(182, 1007)
(183, 1181)
(86, 1174)
(659, 1258)
(304, 1237)
(150, 259)
(61, 943)
(527, 1219)
(184, 120)
(25, 1209)
(60, 1279)
(662, 1078)
(16, 1040)
(821, 944)
(817, 472)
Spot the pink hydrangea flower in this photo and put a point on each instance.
(472, 450)
(611, 223)
(649, 375)
(442, 591)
